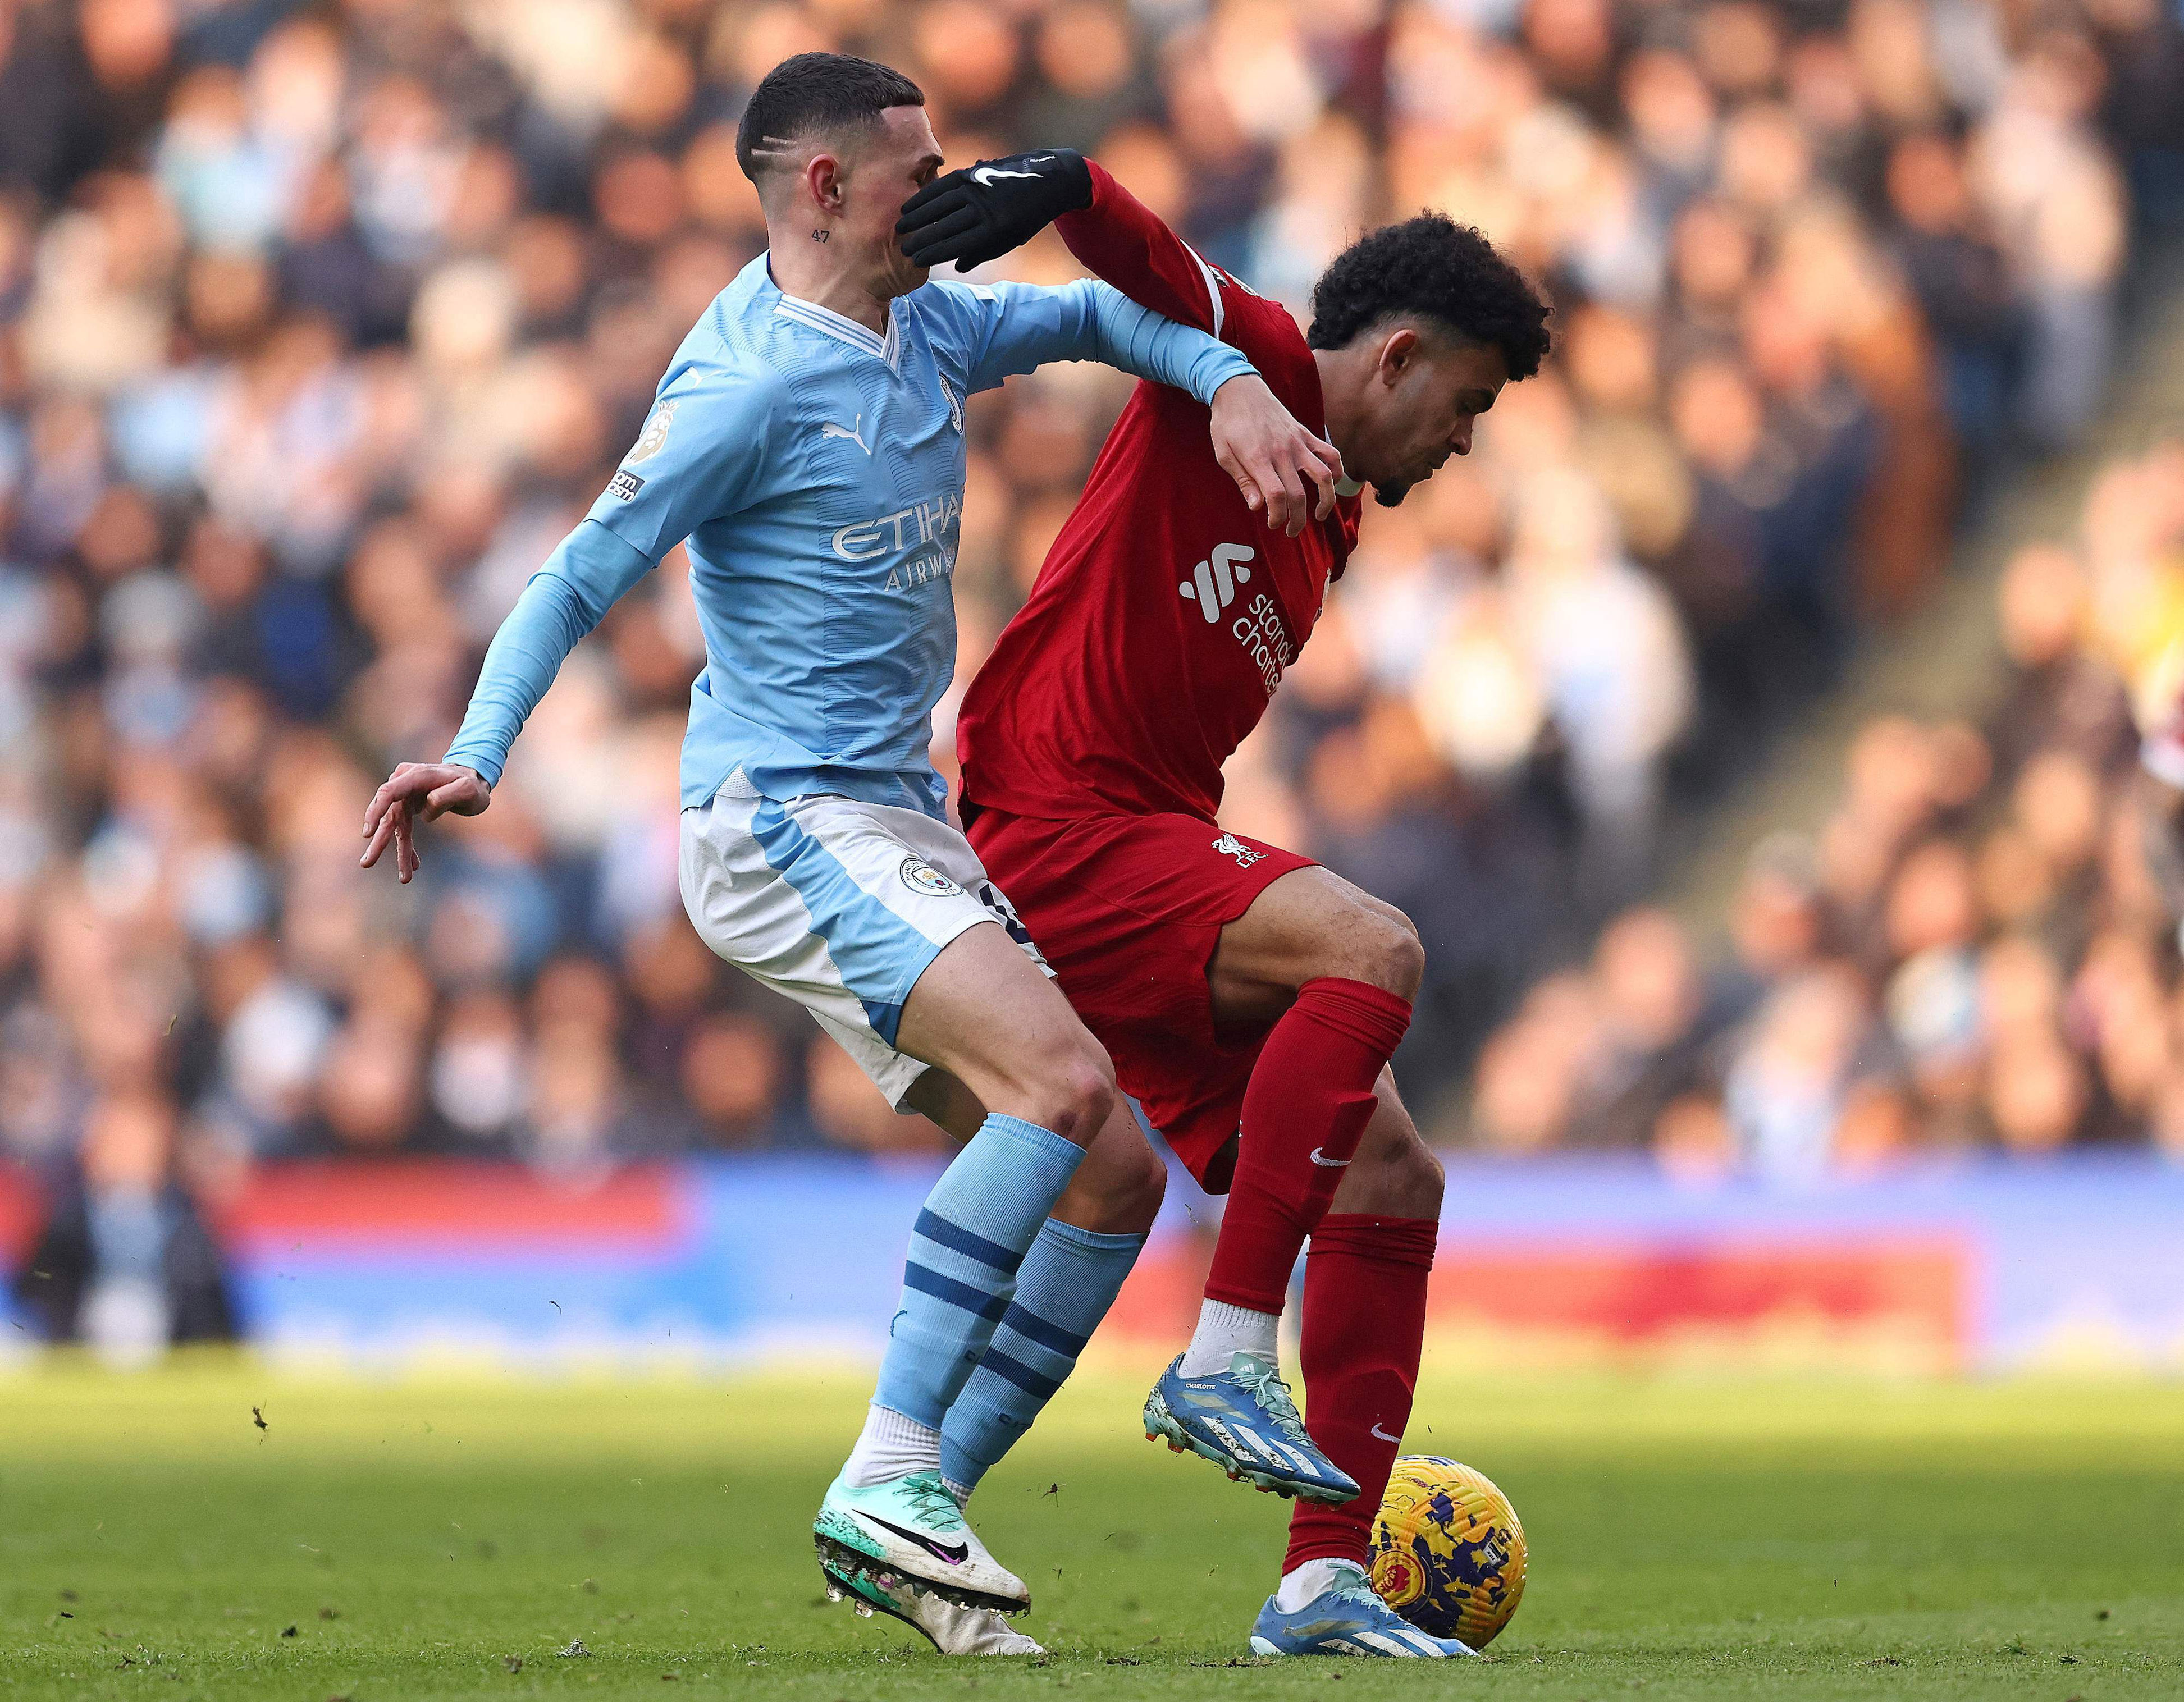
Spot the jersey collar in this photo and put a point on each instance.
(843, 329)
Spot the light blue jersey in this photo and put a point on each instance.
(816, 469)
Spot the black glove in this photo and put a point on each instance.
(979, 213)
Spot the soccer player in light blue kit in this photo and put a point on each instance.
(808, 442)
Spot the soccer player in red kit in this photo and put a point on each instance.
(1249, 998)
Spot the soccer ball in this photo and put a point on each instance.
(1448, 1554)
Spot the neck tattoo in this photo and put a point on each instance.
(821, 235)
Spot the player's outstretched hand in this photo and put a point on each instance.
(415, 789)
(981, 212)
(1260, 445)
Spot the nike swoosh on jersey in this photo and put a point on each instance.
(955, 1554)
(1331, 1164)
(1384, 1435)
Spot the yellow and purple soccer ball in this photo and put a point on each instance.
(1448, 1554)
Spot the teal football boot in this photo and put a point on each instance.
(1243, 1421)
(908, 1530)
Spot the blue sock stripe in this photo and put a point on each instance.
(986, 1210)
(991, 1307)
(1017, 1372)
(1069, 1278)
(957, 1239)
(1033, 1328)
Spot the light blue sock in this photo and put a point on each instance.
(978, 1221)
(1069, 1279)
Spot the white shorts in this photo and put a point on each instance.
(838, 904)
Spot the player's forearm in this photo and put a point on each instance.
(564, 600)
(1122, 241)
(1147, 345)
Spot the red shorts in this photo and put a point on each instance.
(1128, 909)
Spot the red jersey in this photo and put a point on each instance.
(1167, 611)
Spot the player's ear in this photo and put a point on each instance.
(1399, 349)
(823, 176)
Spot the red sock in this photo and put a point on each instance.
(1364, 1324)
(1310, 1096)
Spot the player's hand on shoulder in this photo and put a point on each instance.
(979, 212)
(1270, 457)
(417, 791)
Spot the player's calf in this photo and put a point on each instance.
(1394, 1173)
(982, 1011)
(1362, 1328)
(1069, 1279)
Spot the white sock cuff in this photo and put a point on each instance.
(1224, 1332)
(891, 1445)
(1236, 1320)
(1310, 1579)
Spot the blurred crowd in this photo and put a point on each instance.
(320, 324)
(1972, 952)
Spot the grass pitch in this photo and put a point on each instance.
(474, 1537)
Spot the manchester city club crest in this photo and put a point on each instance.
(921, 876)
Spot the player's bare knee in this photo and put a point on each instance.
(1074, 1095)
(1386, 951)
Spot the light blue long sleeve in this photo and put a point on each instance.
(566, 599)
(817, 469)
(1025, 327)
(1142, 343)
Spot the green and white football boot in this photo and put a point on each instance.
(908, 1530)
(950, 1629)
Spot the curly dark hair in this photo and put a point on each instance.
(810, 91)
(1432, 266)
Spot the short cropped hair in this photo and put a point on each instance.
(815, 91)
(1438, 269)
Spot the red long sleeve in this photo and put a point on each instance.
(1121, 240)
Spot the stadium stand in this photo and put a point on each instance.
(318, 325)
(1971, 953)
